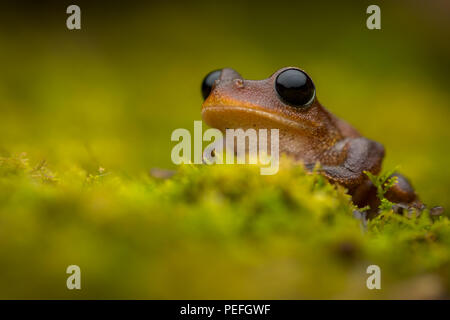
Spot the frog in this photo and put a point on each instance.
(308, 132)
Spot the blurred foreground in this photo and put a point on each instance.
(208, 232)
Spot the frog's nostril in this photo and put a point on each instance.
(239, 83)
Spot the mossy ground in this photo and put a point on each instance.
(207, 232)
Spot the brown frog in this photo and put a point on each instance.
(307, 131)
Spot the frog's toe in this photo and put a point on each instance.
(400, 208)
(436, 211)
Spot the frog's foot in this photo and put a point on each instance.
(436, 211)
(361, 155)
(402, 208)
(416, 208)
(406, 200)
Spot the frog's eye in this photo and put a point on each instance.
(208, 82)
(295, 88)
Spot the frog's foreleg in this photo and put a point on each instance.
(361, 155)
(401, 193)
(366, 155)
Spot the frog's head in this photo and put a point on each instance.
(286, 101)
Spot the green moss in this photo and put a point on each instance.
(207, 232)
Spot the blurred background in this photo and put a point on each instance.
(112, 92)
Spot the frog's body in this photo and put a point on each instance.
(308, 132)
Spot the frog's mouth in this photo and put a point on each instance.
(225, 117)
(295, 137)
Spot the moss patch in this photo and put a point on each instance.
(207, 232)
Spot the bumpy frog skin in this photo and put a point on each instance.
(310, 134)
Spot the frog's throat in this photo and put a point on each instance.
(217, 115)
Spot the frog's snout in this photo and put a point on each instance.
(229, 79)
(229, 74)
